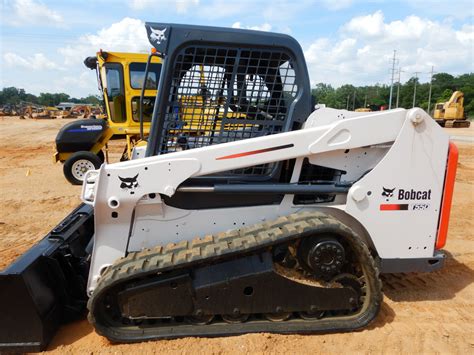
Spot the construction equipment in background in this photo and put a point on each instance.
(20, 109)
(276, 218)
(9, 110)
(40, 112)
(372, 108)
(451, 113)
(35, 111)
(82, 145)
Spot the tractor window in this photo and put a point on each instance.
(220, 95)
(137, 75)
(148, 105)
(115, 92)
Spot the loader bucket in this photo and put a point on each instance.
(46, 286)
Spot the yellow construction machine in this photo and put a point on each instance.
(82, 144)
(451, 113)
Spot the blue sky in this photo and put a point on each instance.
(43, 43)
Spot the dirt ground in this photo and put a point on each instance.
(429, 313)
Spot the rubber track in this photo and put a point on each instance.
(212, 248)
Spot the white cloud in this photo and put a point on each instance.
(361, 52)
(466, 35)
(369, 25)
(77, 85)
(127, 35)
(139, 4)
(36, 62)
(264, 27)
(181, 6)
(460, 10)
(31, 12)
(335, 5)
(202, 9)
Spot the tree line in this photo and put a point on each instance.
(374, 96)
(15, 96)
(345, 97)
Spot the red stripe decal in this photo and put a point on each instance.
(393, 207)
(252, 152)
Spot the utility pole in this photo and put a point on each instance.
(398, 85)
(414, 87)
(365, 100)
(353, 101)
(347, 104)
(393, 74)
(429, 95)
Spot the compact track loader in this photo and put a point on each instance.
(275, 218)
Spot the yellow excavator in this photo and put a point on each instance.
(451, 113)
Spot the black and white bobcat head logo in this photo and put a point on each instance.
(158, 35)
(129, 183)
(387, 192)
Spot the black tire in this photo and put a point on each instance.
(77, 165)
(101, 156)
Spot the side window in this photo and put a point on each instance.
(115, 92)
(137, 75)
(148, 105)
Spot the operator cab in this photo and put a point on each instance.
(121, 77)
(213, 91)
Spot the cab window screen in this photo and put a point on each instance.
(137, 75)
(221, 95)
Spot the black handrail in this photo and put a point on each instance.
(142, 94)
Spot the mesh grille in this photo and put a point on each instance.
(222, 95)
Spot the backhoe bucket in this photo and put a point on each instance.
(46, 286)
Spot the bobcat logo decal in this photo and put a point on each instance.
(129, 183)
(158, 35)
(388, 192)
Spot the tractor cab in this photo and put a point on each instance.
(121, 77)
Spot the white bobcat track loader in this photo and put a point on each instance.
(252, 214)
